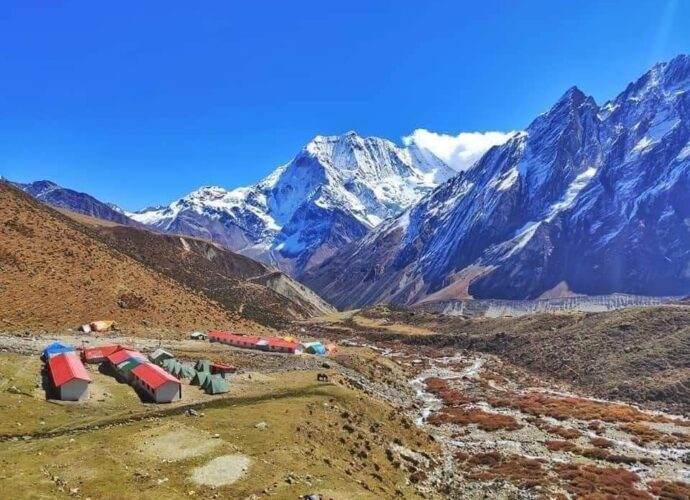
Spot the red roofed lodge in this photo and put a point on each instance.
(69, 377)
(156, 382)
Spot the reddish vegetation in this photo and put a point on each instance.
(567, 407)
(643, 434)
(594, 425)
(601, 442)
(486, 421)
(674, 490)
(564, 432)
(441, 388)
(593, 453)
(556, 445)
(589, 481)
(525, 472)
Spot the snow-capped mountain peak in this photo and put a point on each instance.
(333, 191)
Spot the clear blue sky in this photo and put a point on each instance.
(141, 102)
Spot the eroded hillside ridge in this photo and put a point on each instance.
(242, 285)
(493, 308)
(589, 199)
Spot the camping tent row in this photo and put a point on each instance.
(133, 367)
(177, 369)
(271, 344)
(68, 376)
(212, 384)
(198, 374)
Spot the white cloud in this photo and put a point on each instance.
(459, 151)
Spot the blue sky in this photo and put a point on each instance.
(141, 102)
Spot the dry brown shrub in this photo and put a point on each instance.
(484, 420)
(557, 445)
(525, 472)
(671, 490)
(594, 425)
(643, 434)
(589, 481)
(594, 453)
(569, 407)
(490, 459)
(558, 430)
(449, 396)
(600, 442)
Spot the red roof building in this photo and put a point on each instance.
(123, 355)
(234, 339)
(156, 382)
(98, 354)
(69, 377)
(276, 344)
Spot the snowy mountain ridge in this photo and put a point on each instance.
(335, 190)
(587, 200)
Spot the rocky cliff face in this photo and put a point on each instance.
(588, 199)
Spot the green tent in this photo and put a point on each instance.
(203, 365)
(216, 385)
(168, 363)
(187, 371)
(177, 370)
(200, 378)
(206, 381)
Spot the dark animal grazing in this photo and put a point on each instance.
(321, 377)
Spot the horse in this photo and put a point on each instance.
(321, 377)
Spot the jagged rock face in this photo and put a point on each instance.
(82, 203)
(587, 199)
(333, 192)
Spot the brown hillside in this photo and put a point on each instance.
(56, 273)
(237, 282)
